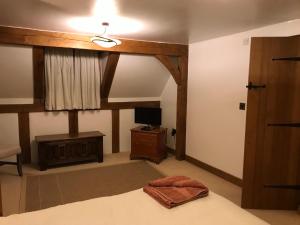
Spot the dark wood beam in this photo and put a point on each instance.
(13, 35)
(173, 69)
(109, 74)
(22, 108)
(38, 75)
(115, 130)
(129, 105)
(104, 106)
(24, 136)
(73, 122)
(181, 109)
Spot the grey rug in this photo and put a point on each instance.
(44, 191)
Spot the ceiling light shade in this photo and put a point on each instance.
(105, 41)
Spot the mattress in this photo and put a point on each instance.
(137, 208)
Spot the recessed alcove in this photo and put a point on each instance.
(16, 80)
(138, 77)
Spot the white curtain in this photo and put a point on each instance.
(72, 79)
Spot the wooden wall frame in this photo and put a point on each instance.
(38, 75)
(24, 136)
(73, 122)
(115, 114)
(109, 73)
(162, 51)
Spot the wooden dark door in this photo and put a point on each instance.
(272, 146)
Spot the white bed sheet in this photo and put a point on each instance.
(137, 208)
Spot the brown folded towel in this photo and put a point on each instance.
(175, 190)
(176, 181)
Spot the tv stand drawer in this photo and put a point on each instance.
(148, 144)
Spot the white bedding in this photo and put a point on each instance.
(137, 208)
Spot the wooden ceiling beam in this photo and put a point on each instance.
(129, 105)
(109, 74)
(104, 106)
(173, 69)
(22, 36)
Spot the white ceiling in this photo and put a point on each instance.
(155, 20)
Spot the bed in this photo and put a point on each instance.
(137, 208)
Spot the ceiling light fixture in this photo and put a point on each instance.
(103, 40)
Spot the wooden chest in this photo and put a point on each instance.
(148, 144)
(63, 149)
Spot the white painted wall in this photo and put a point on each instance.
(218, 74)
(99, 120)
(9, 131)
(45, 123)
(126, 123)
(168, 105)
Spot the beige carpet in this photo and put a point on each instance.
(44, 191)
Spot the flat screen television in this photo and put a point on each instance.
(148, 116)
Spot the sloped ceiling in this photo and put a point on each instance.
(154, 20)
(139, 76)
(16, 74)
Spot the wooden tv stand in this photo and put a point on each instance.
(65, 149)
(148, 144)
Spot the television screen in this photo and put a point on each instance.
(149, 116)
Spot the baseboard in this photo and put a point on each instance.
(226, 176)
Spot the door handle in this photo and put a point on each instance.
(255, 86)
